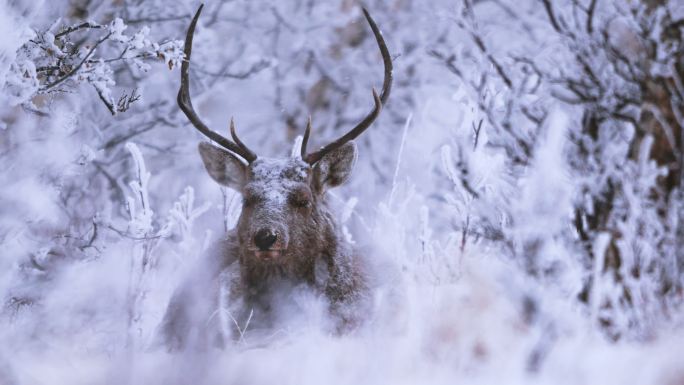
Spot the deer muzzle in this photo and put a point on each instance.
(265, 238)
(268, 243)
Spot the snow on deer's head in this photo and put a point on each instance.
(282, 198)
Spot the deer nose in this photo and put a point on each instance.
(264, 239)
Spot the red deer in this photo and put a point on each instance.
(286, 236)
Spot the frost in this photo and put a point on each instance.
(139, 208)
(140, 40)
(267, 177)
(116, 29)
(88, 154)
(185, 213)
(21, 82)
(52, 63)
(518, 202)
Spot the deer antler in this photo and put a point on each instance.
(185, 103)
(368, 120)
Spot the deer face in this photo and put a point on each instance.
(281, 214)
(281, 197)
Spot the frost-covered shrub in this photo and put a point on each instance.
(58, 59)
(616, 69)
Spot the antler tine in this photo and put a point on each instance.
(185, 102)
(248, 153)
(386, 58)
(379, 101)
(305, 140)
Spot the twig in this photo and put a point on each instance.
(552, 16)
(254, 69)
(476, 131)
(78, 67)
(590, 16)
(448, 61)
(499, 69)
(75, 28)
(128, 236)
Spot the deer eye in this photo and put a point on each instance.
(250, 200)
(300, 199)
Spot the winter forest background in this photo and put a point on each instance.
(523, 187)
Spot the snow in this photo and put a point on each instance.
(274, 178)
(518, 195)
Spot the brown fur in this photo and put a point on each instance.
(288, 196)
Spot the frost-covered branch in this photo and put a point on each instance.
(53, 63)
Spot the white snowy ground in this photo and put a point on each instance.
(470, 331)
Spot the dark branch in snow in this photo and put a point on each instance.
(590, 17)
(78, 66)
(86, 25)
(254, 69)
(552, 16)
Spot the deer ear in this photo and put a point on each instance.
(224, 167)
(335, 167)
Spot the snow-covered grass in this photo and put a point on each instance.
(470, 331)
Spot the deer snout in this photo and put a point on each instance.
(265, 238)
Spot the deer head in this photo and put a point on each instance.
(283, 211)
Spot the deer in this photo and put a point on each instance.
(286, 237)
